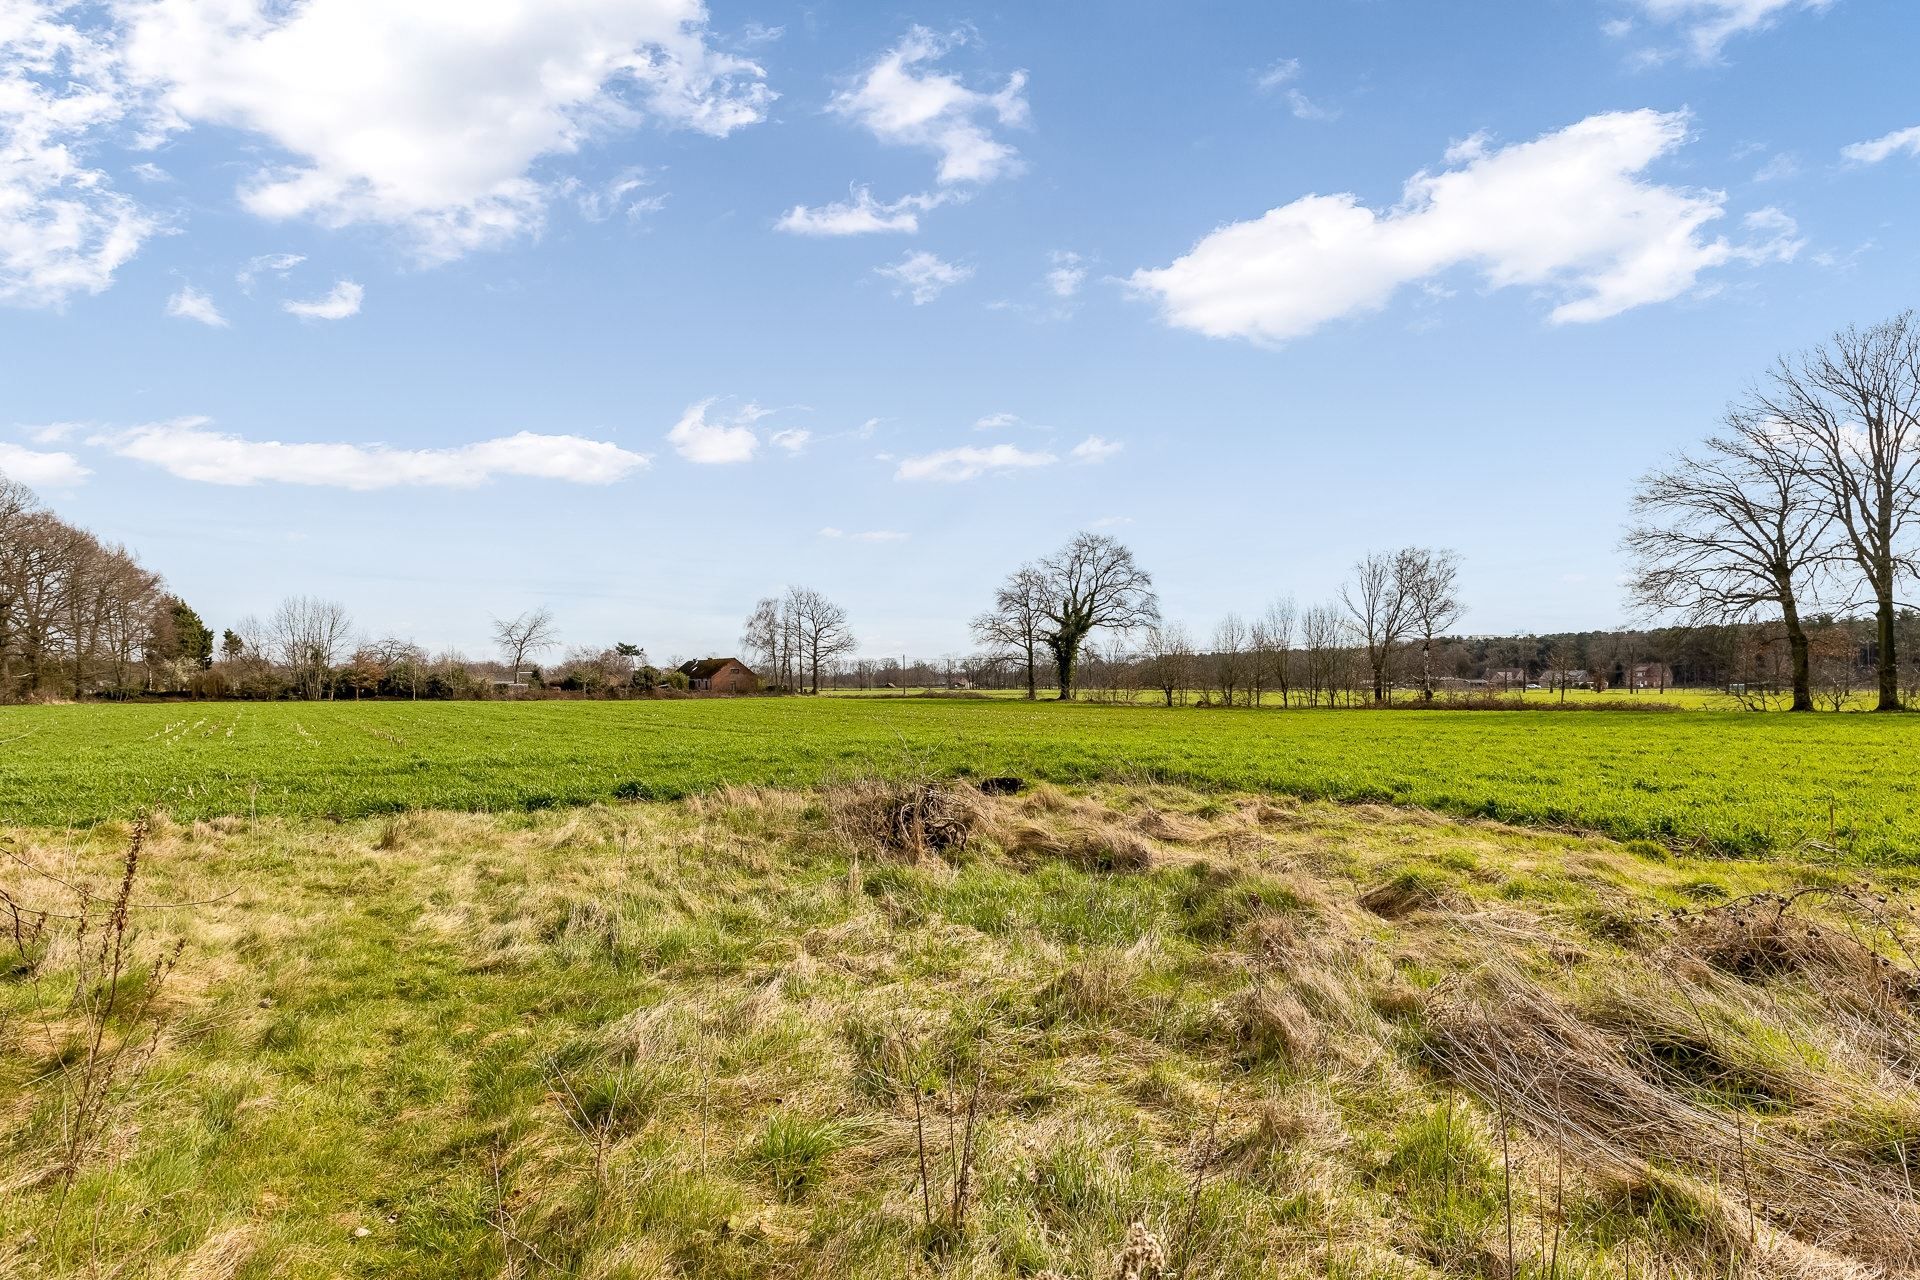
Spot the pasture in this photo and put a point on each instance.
(738, 1036)
(1835, 786)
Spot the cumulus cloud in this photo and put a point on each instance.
(1568, 214)
(793, 439)
(1885, 147)
(860, 214)
(189, 303)
(967, 462)
(64, 230)
(703, 438)
(341, 301)
(1707, 25)
(996, 421)
(40, 468)
(429, 118)
(190, 449)
(904, 101)
(868, 535)
(924, 276)
(1096, 449)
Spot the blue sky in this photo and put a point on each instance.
(641, 310)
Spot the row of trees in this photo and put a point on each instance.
(1047, 613)
(795, 638)
(76, 613)
(1798, 512)
(1807, 498)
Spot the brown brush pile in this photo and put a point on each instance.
(912, 818)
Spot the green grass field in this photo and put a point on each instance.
(1745, 784)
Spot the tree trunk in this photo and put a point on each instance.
(1887, 664)
(1797, 647)
(1033, 675)
(1063, 665)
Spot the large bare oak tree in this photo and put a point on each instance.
(1734, 531)
(1854, 401)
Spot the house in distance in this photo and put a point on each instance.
(719, 675)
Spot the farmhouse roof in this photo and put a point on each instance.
(704, 668)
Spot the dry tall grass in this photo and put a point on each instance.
(908, 1028)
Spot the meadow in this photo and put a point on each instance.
(1834, 786)
(1124, 1030)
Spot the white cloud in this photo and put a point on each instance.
(1567, 214)
(1709, 24)
(1096, 449)
(903, 101)
(190, 449)
(1885, 147)
(266, 264)
(430, 117)
(1779, 167)
(869, 535)
(34, 467)
(1069, 272)
(64, 230)
(1305, 108)
(792, 439)
(924, 276)
(598, 203)
(996, 421)
(968, 462)
(341, 301)
(697, 439)
(190, 303)
(860, 215)
(1282, 72)
(1776, 237)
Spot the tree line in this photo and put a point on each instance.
(1769, 560)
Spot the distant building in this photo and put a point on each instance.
(1507, 678)
(720, 675)
(1649, 675)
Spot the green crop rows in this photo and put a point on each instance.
(1747, 784)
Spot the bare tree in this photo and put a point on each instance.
(1855, 401)
(1229, 657)
(761, 638)
(1013, 624)
(821, 627)
(1273, 648)
(523, 635)
(1429, 582)
(1732, 531)
(308, 636)
(1090, 584)
(1323, 632)
(1167, 661)
(1380, 613)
